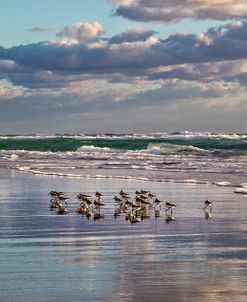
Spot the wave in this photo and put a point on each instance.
(165, 148)
(197, 158)
(186, 142)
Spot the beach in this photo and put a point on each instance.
(50, 257)
(123, 151)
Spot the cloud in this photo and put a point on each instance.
(38, 29)
(203, 72)
(8, 93)
(115, 55)
(133, 69)
(81, 32)
(132, 35)
(175, 10)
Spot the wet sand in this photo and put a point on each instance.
(50, 257)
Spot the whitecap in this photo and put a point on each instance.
(14, 157)
(92, 148)
(166, 148)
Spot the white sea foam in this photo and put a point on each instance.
(240, 191)
(92, 148)
(244, 184)
(224, 184)
(14, 157)
(23, 168)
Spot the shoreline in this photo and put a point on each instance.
(240, 188)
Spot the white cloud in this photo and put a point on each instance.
(84, 32)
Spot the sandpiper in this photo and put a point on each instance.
(170, 206)
(208, 204)
(97, 203)
(98, 194)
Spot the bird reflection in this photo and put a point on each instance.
(208, 205)
(208, 214)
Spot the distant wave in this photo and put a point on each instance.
(184, 135)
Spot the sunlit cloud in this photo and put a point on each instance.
(176, 10)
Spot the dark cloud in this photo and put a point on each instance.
(132, 35)
(175, 10)
(147, 110)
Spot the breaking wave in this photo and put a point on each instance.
(187, 157)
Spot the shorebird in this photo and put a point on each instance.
(208, 204)
(144, 191)
(88, 201)
(140, 199)
(81, 196)
(98, 204)
(63, 199)
(150, 195)
(170, 206)
(98, 194)
(123, 193)
(118, 199)
(55, 194)
(157, 202)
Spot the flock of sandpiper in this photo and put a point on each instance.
(135, 209)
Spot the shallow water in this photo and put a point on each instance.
(50, 257)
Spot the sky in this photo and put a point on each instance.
(123, 66)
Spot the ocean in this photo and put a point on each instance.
(192, 157)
